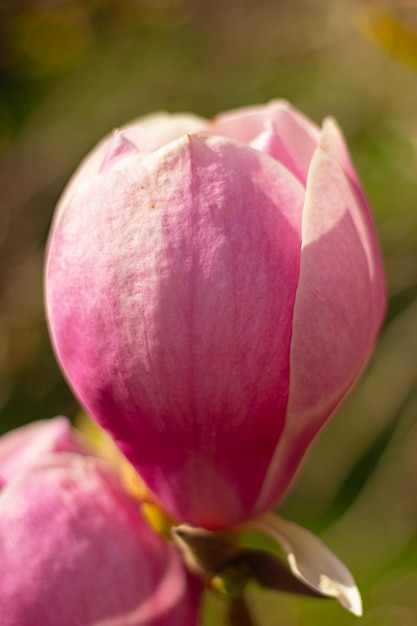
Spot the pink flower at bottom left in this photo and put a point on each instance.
(74, 547)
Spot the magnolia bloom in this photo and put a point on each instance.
(74, 548)
(214, 289)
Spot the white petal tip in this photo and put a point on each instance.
(311, 561)
(349, 597)
(354, 602)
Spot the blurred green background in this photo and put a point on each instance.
(71, 70)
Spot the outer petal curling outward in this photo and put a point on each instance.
(20, 449)
(310, 560)
(75, 550)
(182, 276)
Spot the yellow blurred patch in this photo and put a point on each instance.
(158, 519)
(105, 447)
(392, 34)
(52, 41)
(101, 443)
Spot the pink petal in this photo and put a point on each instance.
(334, 143)
(271, 143)
(119, 147)
(246, 123)
(170, 289)
(152, 132)
(146, 134)
(298, 135)
(23, 447)
(75, 550)
(338, 313)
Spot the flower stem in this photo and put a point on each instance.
(238, 613)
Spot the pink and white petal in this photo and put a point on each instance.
(90, 166)
(184, 303)
(118, 147)
(300, 124)
(310, 560)
(151, 132)
(270, 142)
(75, 550)
(21, 448)
(338, 313)
(146, 134)
(299, 134)
(246, 123)
(333, 143)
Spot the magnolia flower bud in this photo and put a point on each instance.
(214, 289)
(74, 547)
